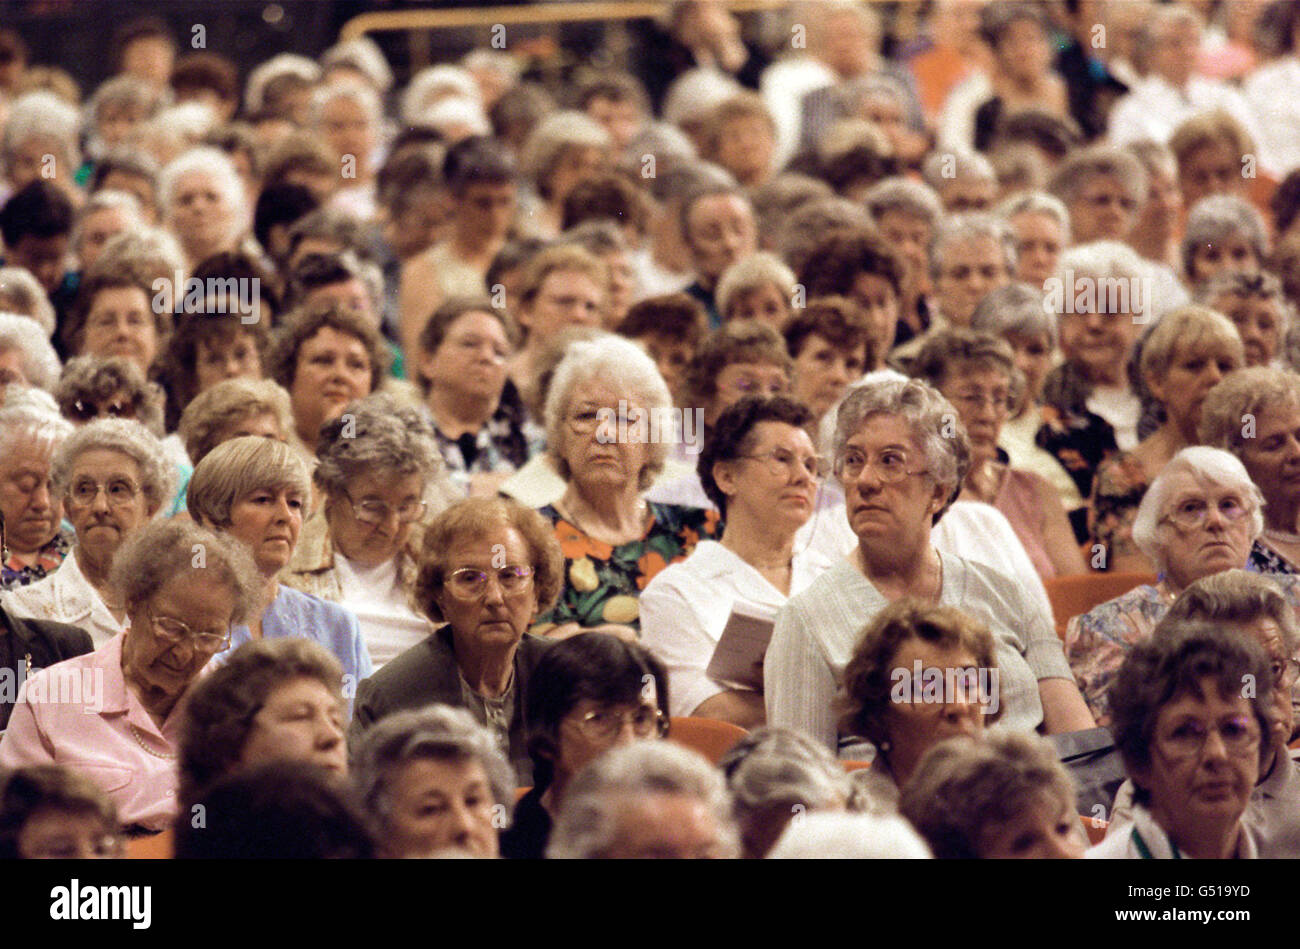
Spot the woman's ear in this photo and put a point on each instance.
(724, 475)
(1155, 385)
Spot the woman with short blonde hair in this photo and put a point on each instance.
(232, 408)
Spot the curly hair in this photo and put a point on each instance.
(473, 518)
(214, 412)
(220, 708)
(375, 435)
(126, 437)
(741, 341)
(869, 675)
(303, 324)
(732, 435)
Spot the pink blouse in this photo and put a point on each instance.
(80, 714)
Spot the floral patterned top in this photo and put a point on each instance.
(1097, 642)
(505, 443)
(1081, 440)
(1117, 491)
(14, 574)
(602, 582)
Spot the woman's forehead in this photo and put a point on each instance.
(882, 431)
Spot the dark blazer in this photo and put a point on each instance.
(427, 673)
(35, 644)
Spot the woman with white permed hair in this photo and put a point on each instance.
(609, 423)
(203, 203)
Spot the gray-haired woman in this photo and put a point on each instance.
(379, 475)
(113, 477)
(1199, 516)
(902, 463)
(434, 754)
(1258, 308)
(26, 356)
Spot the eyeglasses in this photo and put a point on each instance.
(119, 493)
(371, 511)
(890, 466)
(647, 721)
(1187, 739)
(975, 401)
(84, 410)
(470, 583)
(779, 462)
(173, 632)
(1193, 513)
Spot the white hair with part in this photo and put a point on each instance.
(437, 82)
(845, 836)
(455, 110)
(40, 364)
(1205, 464)
(219, 168)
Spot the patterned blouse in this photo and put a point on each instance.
(1117, 490)
(1081, 440)
(14, 574)
(508, 440)
(602, 583)
(1265, 559)
(1097, 642)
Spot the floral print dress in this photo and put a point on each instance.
(602, 582)
(1117, 490)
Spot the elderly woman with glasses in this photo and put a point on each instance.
(184, 588)
(488, 566)
(1253, 606)
(590, 693)
(1181, 359)
(379, 468)
(902, 462)
(609, 422)
(254, 490)
(1200, 516)
(977, 373)
(442, 755)
(761, 470)
(112, 477)
(1193, 743)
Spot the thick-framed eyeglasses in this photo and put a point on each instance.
(1192, 514)
(120, 493)
(372, 511)
(646, 720)
(173, 632)
(891, 465)
(470, 583)
(780, 462)
(1239, 735)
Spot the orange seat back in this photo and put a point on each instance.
(855, 765)
(1076, 595)
(154, 847)
(1095, 828)
(708, 736)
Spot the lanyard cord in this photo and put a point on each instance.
(1146, 851)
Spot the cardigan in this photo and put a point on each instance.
(33, 644)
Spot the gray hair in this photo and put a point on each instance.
(152, 252)
(453, 110)
(376, 435)
(1242, 395)
(105, 200)
(126, 437)
(19, 422)
(808, 226)
(436, 81)
(966, 227)
(751, 273)
(283, 64)
(587, 824)
(125, 90)
(1238, 596)
(218, 166)
(835, 836)
(1037, 202)
(965, 165)
(21, 293)
(1017, 308)
(598, 237)
(1262, 285)
(42, 114)
(1098, 261)
(98, 377)
(773, 767)
(39, 361)
(622, 364)
(358, 93)
(696, 93)
(904, 196)
(152, 556)
(1078, 169)
(936, 427)
(364, 55)
(1207, 464)
(439, 732)
(552, 135)
(1217, 217)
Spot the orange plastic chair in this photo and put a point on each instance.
(1094, 828)
(855, 765)
(1074, 596)
(708, 736)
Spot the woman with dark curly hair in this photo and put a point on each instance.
(487, 568)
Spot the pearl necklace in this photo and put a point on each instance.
(135, 733)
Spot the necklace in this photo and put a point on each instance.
(135, 733)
